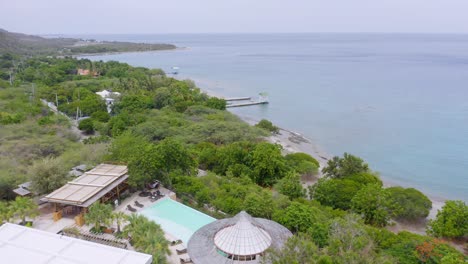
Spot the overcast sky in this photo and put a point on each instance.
(226, 16)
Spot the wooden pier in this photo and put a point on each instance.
(246, 101)
(247, 104)
(237, 99)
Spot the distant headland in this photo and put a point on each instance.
(24, 44)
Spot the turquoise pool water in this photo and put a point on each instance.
(177, 219)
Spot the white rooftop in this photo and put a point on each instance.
(243, 238)
(25, 245)
(106, 94)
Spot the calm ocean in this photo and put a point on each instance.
(400, 101)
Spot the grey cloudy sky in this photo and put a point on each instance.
(213, 16)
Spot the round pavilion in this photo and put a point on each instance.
(241, 239)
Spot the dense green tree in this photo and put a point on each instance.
(298, 217)
(7, 184)
(47, 175)
(175, 156)
(268, 164)
(343, 167)
(365, 178)
(133, 104)
(350, 243)
(232, 154)
(375, 205)
(162, 98)
(290, 185)
(207, 155)
(451, 221)
(302, 163)
(298, 249)
(101, 116)
(319, 233)
(336, 193)
(413, 203)
(145, 166)
(216, 103)
(157, 161)
(99, 214)
(126, 147)
(5, 213)
(87, 125)
(259, 204)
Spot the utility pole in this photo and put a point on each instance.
(31, 95)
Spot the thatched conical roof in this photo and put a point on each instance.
(228, 240)
(245, 237)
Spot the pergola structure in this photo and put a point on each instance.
(103, 183)
(241, 239)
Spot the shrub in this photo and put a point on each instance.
(451, 221)
(414, 204)
(101, 116)
(267, 125)
(87, 125)
(216, 103)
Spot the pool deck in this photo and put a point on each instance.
(173, 258)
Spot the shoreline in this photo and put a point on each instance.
(78, 55)
(293, 142)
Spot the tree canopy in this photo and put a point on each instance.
(451, 221)
(343, 167)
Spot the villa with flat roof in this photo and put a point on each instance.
(241, 239)
(25, 245)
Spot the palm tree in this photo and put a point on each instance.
(23, 207)
(119, 218)
(148, 237)
(99, 214)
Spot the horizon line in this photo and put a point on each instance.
(256, 33)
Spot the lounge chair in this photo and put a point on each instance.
(138, 204)
(144, 194)
(181, 251)
(158, 193)
(186, 260)
(176, 242)
(131, 209)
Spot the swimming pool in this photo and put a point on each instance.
(177, 219)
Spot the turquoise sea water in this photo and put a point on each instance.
(400, 101)
(177, 219)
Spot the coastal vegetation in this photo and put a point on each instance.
(166, 129)
(451, 221)
(23, 44)
(148, 237)
(99, 214)
(21, 208)
(268, 126)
